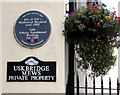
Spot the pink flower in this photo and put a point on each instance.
(114, 12)
(32, 40)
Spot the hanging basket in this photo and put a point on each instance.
(93, 30)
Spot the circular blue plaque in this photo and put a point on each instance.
(32, 29)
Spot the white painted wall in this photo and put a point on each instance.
(0, 47)
(119, 47)
(53, 50)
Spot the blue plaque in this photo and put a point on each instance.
(32, 29)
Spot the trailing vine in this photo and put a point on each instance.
(93, 30)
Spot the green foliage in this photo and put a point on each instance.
(93, 31)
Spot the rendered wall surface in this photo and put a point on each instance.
(52, 50)
(119, 45)
(0, 47)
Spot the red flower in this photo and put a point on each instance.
(109, 19)
(94, 9)
(117, 18)
(114, 12)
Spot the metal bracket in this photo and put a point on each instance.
(66, 9)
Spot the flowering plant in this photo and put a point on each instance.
(89, 22)
(93, 30)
